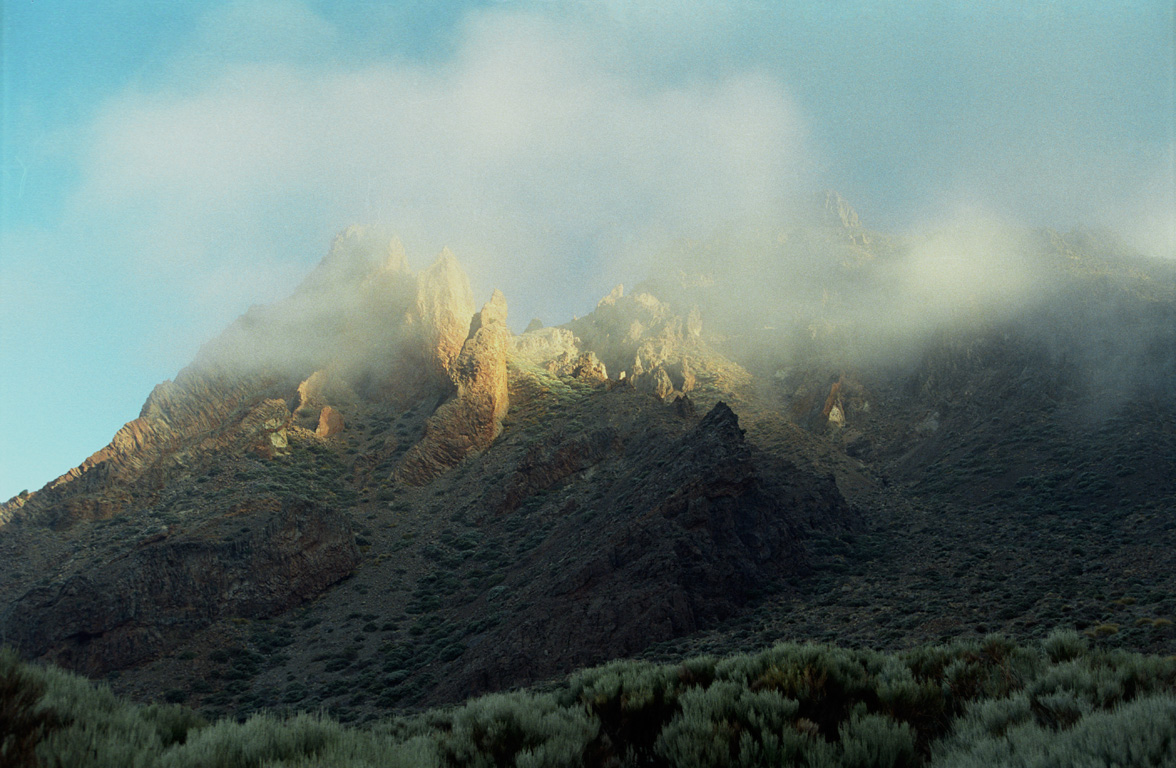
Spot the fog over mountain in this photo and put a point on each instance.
(557, 149)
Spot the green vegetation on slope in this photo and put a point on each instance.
(1055, 703)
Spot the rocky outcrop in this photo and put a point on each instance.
(471, 419)
(648, 343)
(441, 315)
(323, 387)
(837, 212)
(177, 415)
(360, 317)
(584, 366)
(542, 345)
(656, 382)
(256, 561)
(330, 422)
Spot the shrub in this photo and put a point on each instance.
(875, 741)
(22, 725)
(726, 724)
(1064, 645)
(1139, 734)
(517, 729)
(967, 704)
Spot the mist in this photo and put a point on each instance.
(560, 149)
(555, 150)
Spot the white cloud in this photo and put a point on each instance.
(527, 152)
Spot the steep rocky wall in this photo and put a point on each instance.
(441, 315)
(256, 561)
(472, 418)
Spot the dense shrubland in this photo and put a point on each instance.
(988, 702)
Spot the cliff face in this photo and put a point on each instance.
(471, 418)
(345, 433)
(440, 315)
(255, 561)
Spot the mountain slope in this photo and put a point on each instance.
(370, 496)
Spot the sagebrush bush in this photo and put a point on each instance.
(1141, 734)
(517, 729)
(987, 702)
(726, 724)
(876, 741)
(1064, 645)
(22, 725)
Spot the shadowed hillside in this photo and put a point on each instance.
(374, 496)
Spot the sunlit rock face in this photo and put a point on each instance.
(330, 422)
(837, 212)
(538, 346)
(646, 342)
(472, 418)
(441, 314)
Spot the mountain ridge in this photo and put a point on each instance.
(497, 509)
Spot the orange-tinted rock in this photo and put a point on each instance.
(585, 366)
(472, 418)
(330, 422)
(441, 314)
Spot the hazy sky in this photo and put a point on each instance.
(165, 165)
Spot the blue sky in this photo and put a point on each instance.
(165, 165)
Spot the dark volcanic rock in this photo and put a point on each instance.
(253, 562)
(696, 528)
(553, 461)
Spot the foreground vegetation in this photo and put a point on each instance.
(989, 702)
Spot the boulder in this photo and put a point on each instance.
(330, 422)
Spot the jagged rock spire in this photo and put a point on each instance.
(837, 212)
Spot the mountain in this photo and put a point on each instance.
(375, 496)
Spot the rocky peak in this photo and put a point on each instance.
(723, 422)
(358, 251)
(471, 419)
(442, 311)
(835, 211)
(613, 296)
(493, 311)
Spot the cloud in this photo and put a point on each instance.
(556, 148)
(542, 165)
